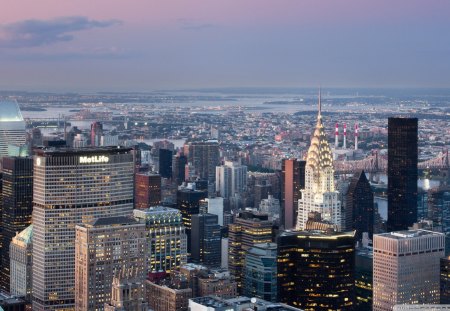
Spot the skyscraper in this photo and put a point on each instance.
(316, 270)
(147, 190)
(260, 272)
(12, 127)
(248, 229)
(165, 163)
(72, 186)
(292, 181)
(445, 281)
(406, 268)
(319, 194)
(103, 247)
(359, 213)
(17, 206)
(206, 240)
(231, 179)
(402, 173)
(166, 238)
(178, 168)
(204, 156)
(96, 133)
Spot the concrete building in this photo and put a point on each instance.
(12, 127)
(168, 294)
(72, 186)
(21, 264)
(319, 194)
(204, 156)
(215, 206)
(445, 280)
(217, 282)
(166, 238)
(260, 272)
(231, 179)
(270, 206)
(406, 268)
(103, 247)
(147, 190)
(292, 181)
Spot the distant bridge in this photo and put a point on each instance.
(376, 163)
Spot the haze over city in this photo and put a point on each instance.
(139, 45)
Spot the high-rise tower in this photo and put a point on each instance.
(319, 194)
(12, 127)
(72, 186)
(402, 173)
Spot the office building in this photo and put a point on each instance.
(127, 292)
(12, 128)
(292, 181)
(188, 203)
(316, 269)
(168, 294)
(260, 272)
(217, 282)
(402, 173)
(270, 206)
(204, 156)
(406, 268)
(363, 279)
(72, 186)
(319, 194)
(165, 163)
(21, 264)
(17, 206)
(359, 204)
(248, 229)
(206, 240)
(147, 190)
(445, 280)
(102, 247)
(216, 207)
(96, 133)
(231, 179)
(12, 303)
(166, 238)
(178, 168)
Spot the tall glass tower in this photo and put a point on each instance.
(12, 127)
(402, 173)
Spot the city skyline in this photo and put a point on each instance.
(66, 46)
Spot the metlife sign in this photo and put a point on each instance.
(93, 159)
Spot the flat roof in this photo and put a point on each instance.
(62, 151)
(408, 234)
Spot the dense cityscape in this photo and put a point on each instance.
(225, 199)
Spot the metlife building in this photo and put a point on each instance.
(72, 186)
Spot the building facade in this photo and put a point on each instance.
(72, 186)
(260, 272)
(319, 194)
(166, 248)
(206, 240)
(406, 268)
(17, 206)
(103, 247)
(316, 270)
(147, 191)
(292, 181)
(12, 127)
(402, 173)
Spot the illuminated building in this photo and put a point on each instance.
(249, 229)
(406, 268)
(102, 247)
(402, 173)
(316, 270)
(21, 263)
(17, 206)
(292, 181)
(72, 186)
(12, 127)
(363, 279)
(445, 280)
(147, 190)
(260, 272)
(166, 238)
(206, 240)
(319, 194)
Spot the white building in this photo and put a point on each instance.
(270, 206)
(21, 263)
(72, 186)
(215, 206)
(406, 268)
(319, 194)
(231, 179)
(12, 128)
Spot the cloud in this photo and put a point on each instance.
(33, 33)
(189, 24)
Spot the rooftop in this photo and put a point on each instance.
(52, 151)
(408, 234)
(10, 112)
(112, 221)
(25, 235)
